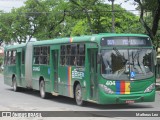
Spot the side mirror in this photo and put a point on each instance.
(99, 58)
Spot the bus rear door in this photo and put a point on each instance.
(55, 56)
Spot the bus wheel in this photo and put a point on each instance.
(78, 95)
(14, 84)
(42, 89)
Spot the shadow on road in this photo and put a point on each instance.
(71, 101)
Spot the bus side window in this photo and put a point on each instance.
(36, 55)
(74, 55)
(9, 58)
(36, 60)
(63, 51)
(41, 55)
(82, 49)
(48, 55)
(23, 56)
(13, 57)
(73, 49)
(6, 57)
(67, 60)
(73, 59)
(68, 49)
(81, 54)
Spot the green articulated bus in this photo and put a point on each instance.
(104, 68)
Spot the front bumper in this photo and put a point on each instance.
(104, 98)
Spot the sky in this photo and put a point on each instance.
(7, 5)
(127, 5)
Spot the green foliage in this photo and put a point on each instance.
(150, 5)
(46, 19)
(80, 28)
(20, 27)
(149, 17)
(6, 21)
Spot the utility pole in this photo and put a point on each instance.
(113, 19)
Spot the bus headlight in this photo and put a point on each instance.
(150, 88)
(106, 89)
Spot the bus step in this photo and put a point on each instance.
(93, 101)
(55, 93)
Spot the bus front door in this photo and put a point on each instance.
(55, 69)
(93, 73)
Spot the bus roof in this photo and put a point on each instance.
(15, 46)
(83, 38)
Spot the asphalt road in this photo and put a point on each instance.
(27, 100)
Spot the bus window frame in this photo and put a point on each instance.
(10, 57)
(71, 58)
(41, 55)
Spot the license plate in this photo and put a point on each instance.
(129, 101)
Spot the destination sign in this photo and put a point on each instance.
(125, 41)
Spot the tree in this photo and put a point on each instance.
(6, 21)
(21, 27)
(152, 6)
(101, 19)
(86, 7)
(46, 19)
(14, 26)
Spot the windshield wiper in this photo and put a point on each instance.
(119, 55)
(133, 58)
(138, 51)
(140, 65)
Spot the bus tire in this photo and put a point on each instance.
(14, 84)
(78, 95)
(43, 94)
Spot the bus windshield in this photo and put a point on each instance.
(127, 64)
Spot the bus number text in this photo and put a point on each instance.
(109, 83)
